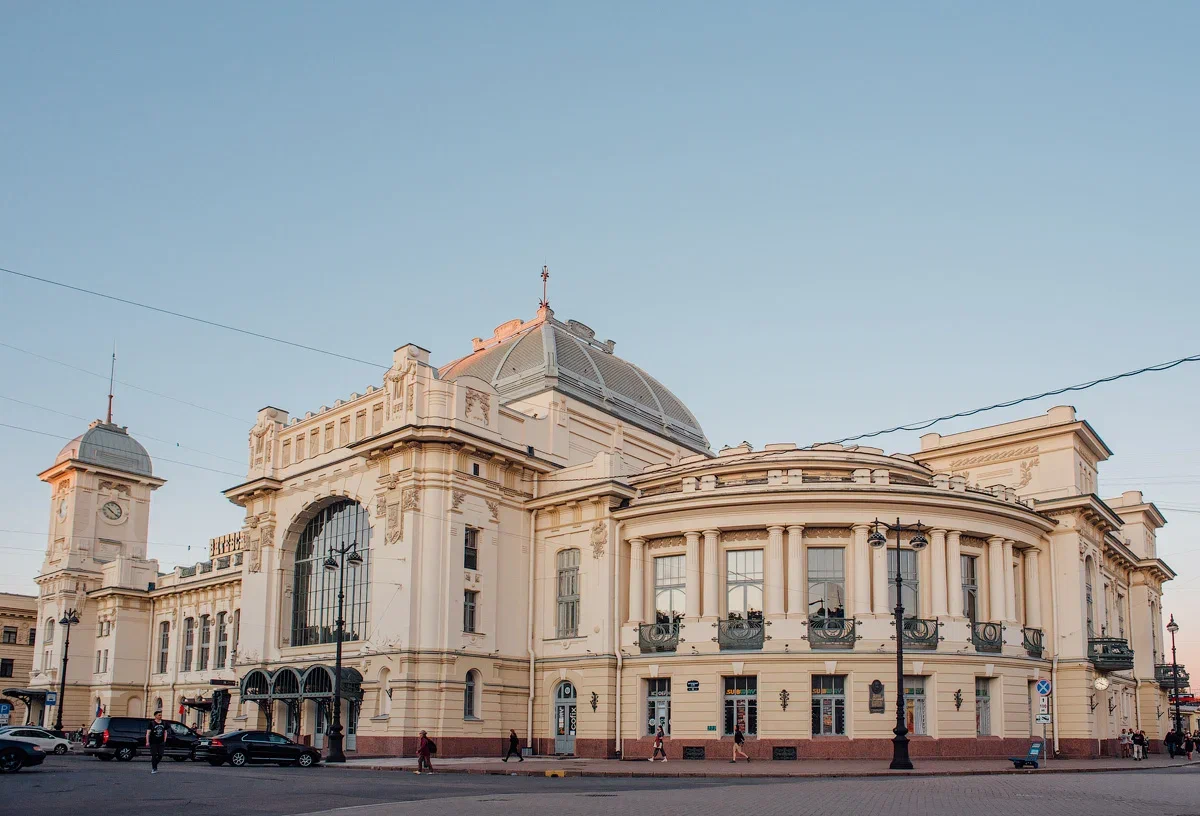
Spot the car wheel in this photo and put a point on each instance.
(305, 760)
(11, 761)
(216, 763)
(104, 757)
(238, 758)
(60, 749)
(125, 754)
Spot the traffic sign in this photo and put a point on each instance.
(5, 708)
(1043, 705)
(51, 698)
(1041, 719)
(1043, 687)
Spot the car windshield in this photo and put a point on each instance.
(229, 735)
(99, 724)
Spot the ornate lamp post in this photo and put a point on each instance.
(1173, 627)
(68, 620)
(345, 555)
(878, 539)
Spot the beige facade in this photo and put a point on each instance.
(18, 636)
(549, 545)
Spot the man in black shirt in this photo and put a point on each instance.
(156, 739)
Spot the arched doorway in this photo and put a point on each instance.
(564, 718)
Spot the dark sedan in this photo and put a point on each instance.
(239, 748)
(15, 755)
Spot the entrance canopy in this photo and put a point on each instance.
(28, 697)
(289, 683)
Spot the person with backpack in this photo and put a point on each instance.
(425, 748)
(514, 746)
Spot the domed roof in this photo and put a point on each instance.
(523, 359)
(109, 446)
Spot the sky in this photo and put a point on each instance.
(808, 220)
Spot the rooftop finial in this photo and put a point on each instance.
(545, 304)
(112, 372)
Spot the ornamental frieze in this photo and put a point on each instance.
(998, 456)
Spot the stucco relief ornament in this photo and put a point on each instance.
(268, 535)
(1027, 472)
(493, 508)
(480, 400)
(395, 523)
(252, 521)
(599, 539)
(380, 506)
(254, 560)
(457, 497)
(389, 481)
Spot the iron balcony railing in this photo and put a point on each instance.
(987, 636)
(740, 634)
(1165, 674)
(659, 637)
(920, 633)
(1110, 654)
(1033, 641)
(831, 633)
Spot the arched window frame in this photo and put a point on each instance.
(49, 637)
(472, 689)
(315, 589)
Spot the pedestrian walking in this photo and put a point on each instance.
(514, 746)
(1139, 745)
(1189, 745)
(660, 748)
(156, 739)
(1125, 744)
(1171, 740)
(739, 740)
(425, 748)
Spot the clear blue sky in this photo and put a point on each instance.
(807, 221)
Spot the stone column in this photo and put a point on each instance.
(692, 601)
(711, 568)
(797, 570)
(1010, 583)
(996, 582)
(861, 599)
(637, 583)
(938, 569)
(773, 572)
(1033, 591)
(879, 580)
(954, 607)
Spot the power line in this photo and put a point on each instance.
(192, 318)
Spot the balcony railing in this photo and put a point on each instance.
(1165, 674)
(831, 633)
(659, 637)
(1110, 654)
(740, 634)
(1033, 642)
(987, 636)
(920, 633)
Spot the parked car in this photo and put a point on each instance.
(15, 755)
(39, 737)
(241, 747)
(123, 737)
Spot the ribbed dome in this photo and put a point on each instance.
(528, 358)
(109, 446)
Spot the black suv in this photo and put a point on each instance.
(123, 737)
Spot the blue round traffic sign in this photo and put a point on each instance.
(1043, 687)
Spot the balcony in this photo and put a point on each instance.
(1110, 654)
(831, 633)
(658, 637)
(987, 636)
(920, 633)
(740, 634)
(1165, 674)
(1033, 642)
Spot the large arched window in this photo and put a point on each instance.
(315, 589)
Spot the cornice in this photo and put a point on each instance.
(59, 468)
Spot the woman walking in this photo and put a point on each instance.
(659, 746)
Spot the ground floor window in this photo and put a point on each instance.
(293, 719)
(983, 706)
(658, 705)
(828, 705)
(741, 705)
(914, 705)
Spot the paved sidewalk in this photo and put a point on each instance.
(553, 766)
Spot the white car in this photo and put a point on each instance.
(39, 737)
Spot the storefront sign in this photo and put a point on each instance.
(712, 728)
(693, 685)
(875, 703)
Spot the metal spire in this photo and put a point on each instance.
(545, 304)
(112, 372)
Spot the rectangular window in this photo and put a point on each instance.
(237, 630)
(741, 705)
(828, 705)
(344, 430)
(910, 584)
(6, 667)
(670, 588)
(744, 584)
(658, 705)
(32, 636)
(826, 582)
(104, 668)
(222, 642)
(314, 442)
(568, 594)
(189, 642)
(470, 601)
(469, 712)
(1120, 616)
(205, 642)
(970, 586)
(10, 634)
(97, 669)
(300, 448)
(474, 468)
(471, 549)
(328, 436)
(286, 455)
(360, 424)
(377, 418)
(914, 705)
(164, 645)
(983, 706)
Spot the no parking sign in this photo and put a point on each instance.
(1043, 687)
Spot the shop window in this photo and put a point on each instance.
(914, 705)
(741, 705)
(828, 705)
(658, 705)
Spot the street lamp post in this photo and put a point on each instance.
(347, 554)
(67, 620)
(1173, 627)
(878, 539)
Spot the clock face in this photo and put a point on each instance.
(62, 508)
(111, 510)
(1101, 683)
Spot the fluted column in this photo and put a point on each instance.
(954, 595)
(938, 569)
(692, 601)
(711, 600)
(861, 600)
(637, 581)
(996, 579)
(773, 576)
(879, 580)
(797, 570)
(1010, 583)
(1033, 590)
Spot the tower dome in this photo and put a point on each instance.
(108, 445)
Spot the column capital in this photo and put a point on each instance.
(711, 532)
(796, 528)
(775, 528)
(861, 527)
(954, 535)
(692, 535)
(937, 531)
(639, 542)
(996, 541)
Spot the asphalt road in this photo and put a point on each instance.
(66, 785)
